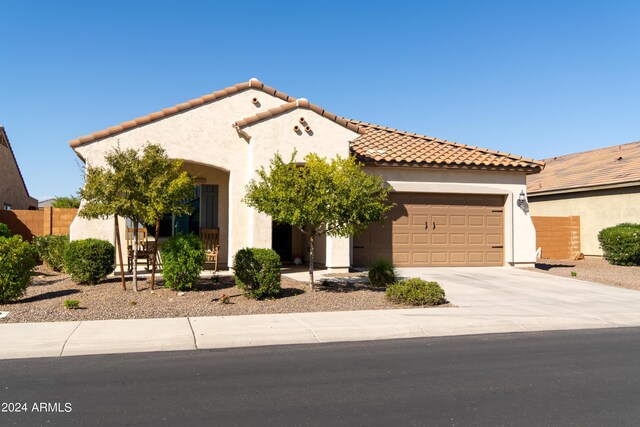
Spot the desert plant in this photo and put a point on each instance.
(89, 260)
(621, 244)
(416, 292)
(381, 273)
(4, 230)
(51, 250)
(66, 202)
(17, 260)
(574, 274)
(72, 304)
(257, 272)
(183, 259)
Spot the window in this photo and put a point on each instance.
(7, 207)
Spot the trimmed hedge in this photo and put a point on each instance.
(381, 273)
(416, 292)
(4, 230)
(89, 260)
(621, 244)
(257, 272)
(17, 261)
(51, 250)
(182, 261)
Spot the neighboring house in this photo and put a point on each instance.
(13, 191)
(601, 186)
(45, 203)
(455, 204)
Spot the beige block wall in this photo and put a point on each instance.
(557, 236)
(519, 233)
(596, 209)
(44, 222)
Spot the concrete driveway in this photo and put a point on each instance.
(532, 299)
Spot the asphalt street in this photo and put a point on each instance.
(587, 378)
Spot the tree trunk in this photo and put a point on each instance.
(115, 218)
(155, 254)
(311, 247)
(135, 255)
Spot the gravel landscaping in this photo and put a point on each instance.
(593, 270)
(44, 300)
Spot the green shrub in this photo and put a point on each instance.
(89, 260)
(621, 244)
(257, 272)
(4, 230)
(72, 304)
(416, 292)
(51, 250)
(182, 261)
(381, 273)
(17, 260)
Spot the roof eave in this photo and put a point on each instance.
(583, 189)
(523, 169)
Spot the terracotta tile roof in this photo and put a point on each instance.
(619, 164)
(300, 103)
(4, 139)
(253, 83)
(388, 146)
(376, 144)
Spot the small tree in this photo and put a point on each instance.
(168, 187)
(66, 202)
(334, 197)
(142, 186)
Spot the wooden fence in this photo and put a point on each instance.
(43, 222)
(558, 236)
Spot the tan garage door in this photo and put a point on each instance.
(436, 230)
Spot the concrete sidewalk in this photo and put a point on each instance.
(488, 300)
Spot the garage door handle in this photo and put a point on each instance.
(434, 225)
(426, 225)
(358, 247)
(496, 247)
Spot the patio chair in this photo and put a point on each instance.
(210, 241)
(145, 247)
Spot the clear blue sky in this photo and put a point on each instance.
(533, 78)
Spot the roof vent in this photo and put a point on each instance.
(620, 158)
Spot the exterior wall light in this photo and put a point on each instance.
(522, 202)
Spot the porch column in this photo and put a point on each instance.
(338, 254)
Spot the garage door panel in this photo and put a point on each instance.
(420, 239)
(458, 220)
(458, 239)
(458, 257)
(401, 259)
(439, 258)
(420, 258)
(477, 239)
(494, 239)
(419, 220)
(493, 221)
(401, 239)
(476, 221)
(439, 239)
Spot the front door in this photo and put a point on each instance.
(281, 241)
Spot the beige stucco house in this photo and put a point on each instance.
(455, 204)
(601, 186)
(13, 191)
